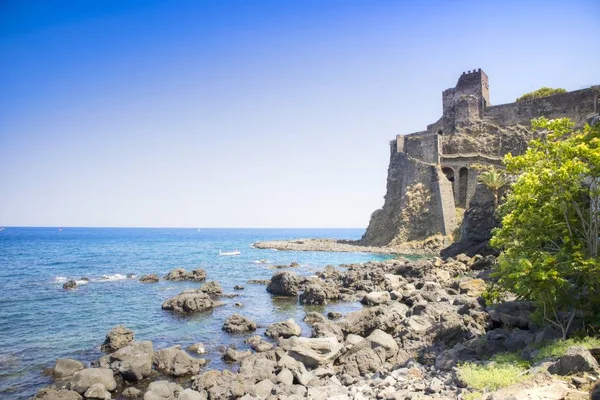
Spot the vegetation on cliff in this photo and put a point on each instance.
(495, 180)
(541, 92)
(550, 224)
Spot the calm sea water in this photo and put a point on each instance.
(40, 322)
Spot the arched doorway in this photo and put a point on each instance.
(463, 181)
(449, 172)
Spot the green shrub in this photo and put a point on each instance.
(549, 236)
(559, 348)
(491, 376)
(541, 92)
(473, 396)
(512, 359)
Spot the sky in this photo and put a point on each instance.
(236, 113)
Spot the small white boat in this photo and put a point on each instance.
(230, 253)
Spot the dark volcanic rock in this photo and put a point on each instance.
(238, 324)
(284, 284)
(150, 278)
(117, 338)
(190, 301)
(180, 274)
(283, 329)
(66, 367)
(70, 285)
(212, 288)
(176, 362)
(134, 361)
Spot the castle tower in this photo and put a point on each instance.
(466, 101)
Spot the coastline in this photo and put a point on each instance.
(421, 320)
(429, 247)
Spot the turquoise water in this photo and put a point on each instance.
(39, 321)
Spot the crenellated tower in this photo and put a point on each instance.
(466, 101)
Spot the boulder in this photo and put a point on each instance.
(327, 329)
(197, 275)
(232, 355)
(483, 263)
(314, 293)
(238, 324)
(512, 313)
(133, 362)
(334, 315)
(56, 394)
(313, 317)
(363, 322)
(178, 274)
(385, 340)
(85, 378)
(257, 367)
(518, 339)
(314, 352)
(131, 393)
(285, 377)
(222, 384)
(149, 278)
(70, 285)
(189, 301)
(263, 388)
(283, 329)
(448, 359)
(117, 338)
(576, 359)
(363, 361)
(376, 298)
(176, 362)
(284, 283)
(258, 345)
(97, 392)
(238, 287)
(212, 288)
(472, 287)
(189, 394)
(66, 367)
(163, 390)
(197, 348)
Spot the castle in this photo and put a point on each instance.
(431, 175)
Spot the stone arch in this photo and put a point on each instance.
(449, 172)
(463, 183)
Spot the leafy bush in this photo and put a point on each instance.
(491, 376)
(551, 224)
(541, 92)
(559, 348)
(512, 359)
(473, 396)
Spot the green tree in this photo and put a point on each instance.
(494, 180)
(550, 222)
(541, 92)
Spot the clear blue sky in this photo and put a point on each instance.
(248, 113)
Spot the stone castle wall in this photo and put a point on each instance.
(441, 158)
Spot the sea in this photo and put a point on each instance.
(40, 322)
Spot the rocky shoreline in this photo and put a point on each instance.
(429, 247)
(421, 320)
